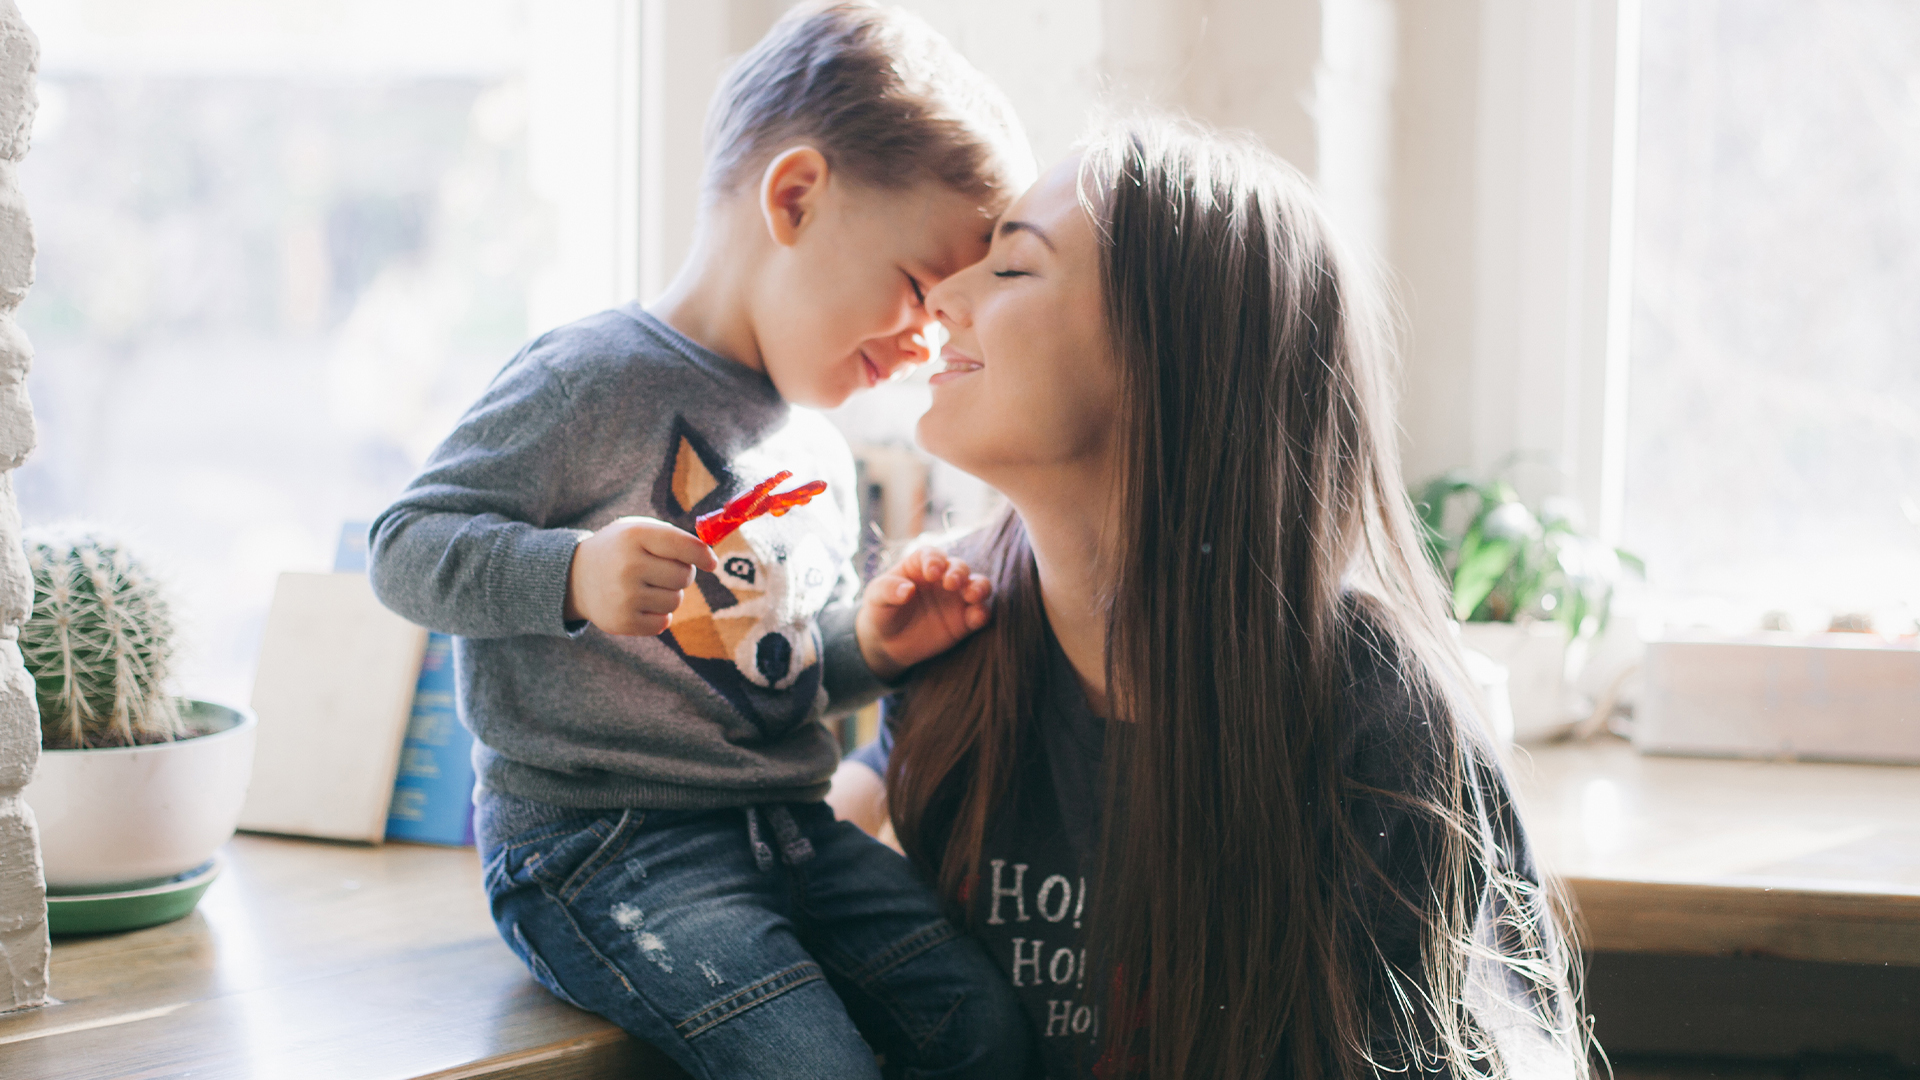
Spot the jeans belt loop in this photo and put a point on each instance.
(794, 848)
(762, 854)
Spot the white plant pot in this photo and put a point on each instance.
(128, 814)
(1536, 657)
(1491, 680)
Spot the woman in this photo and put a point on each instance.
(1291, 853)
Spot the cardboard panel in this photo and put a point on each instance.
(333, 692)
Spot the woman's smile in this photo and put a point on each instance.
(957, 365)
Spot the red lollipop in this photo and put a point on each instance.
(715, 527)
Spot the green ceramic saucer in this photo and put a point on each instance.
(130, 907)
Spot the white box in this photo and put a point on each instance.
(1832, 699)
(333, 692)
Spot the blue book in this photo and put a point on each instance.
(433, 793)
(350, 554)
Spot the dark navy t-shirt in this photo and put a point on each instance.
(1030, 907)
(1030, 901)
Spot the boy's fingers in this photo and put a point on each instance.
(657, 601)
(913, 565)
(891, 589)
(664, 573)
(933, 565)
(976, 617)
(679, 545)
(978, 589)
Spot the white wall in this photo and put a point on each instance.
(1503, 239)
(23, 907)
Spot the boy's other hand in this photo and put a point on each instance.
(627, 578)
(919, 609)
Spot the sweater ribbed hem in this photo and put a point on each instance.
(632, 792)
(499, 818)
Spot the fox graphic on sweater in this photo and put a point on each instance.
(748, 629)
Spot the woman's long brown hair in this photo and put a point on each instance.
(1260, 488)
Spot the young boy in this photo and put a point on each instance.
(647, 709)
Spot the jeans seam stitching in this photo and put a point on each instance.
(538, 859)
(867, 978)
(935, 1030)
(497, 864)
(757, 1000)
(915, 945)
(587, 942)
(602, 857)
(745, 990)
(539, 964)
(523, 841)
(612, 852)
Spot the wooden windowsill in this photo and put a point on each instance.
(309, 959)
(1710, 857)
(323, 960)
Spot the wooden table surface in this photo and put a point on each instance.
(314, 960)
(321, 960)
(1706, 857)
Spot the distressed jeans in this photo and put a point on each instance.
(761, 942)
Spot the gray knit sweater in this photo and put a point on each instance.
(611, 416)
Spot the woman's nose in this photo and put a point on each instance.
(947, 302)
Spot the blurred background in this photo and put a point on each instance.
(1658, 261)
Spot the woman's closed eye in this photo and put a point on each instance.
(1012, 273)
(919, 294)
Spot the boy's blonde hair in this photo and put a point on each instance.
(882, 95)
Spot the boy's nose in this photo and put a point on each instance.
(905, 348)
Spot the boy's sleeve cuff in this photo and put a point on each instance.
(530, 580)
(850, 683)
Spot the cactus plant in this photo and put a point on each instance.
(99, 644)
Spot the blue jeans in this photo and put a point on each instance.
(748, 943)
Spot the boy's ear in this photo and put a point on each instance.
(790, 192)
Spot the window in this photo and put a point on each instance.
(1773, 431)
(280, 248)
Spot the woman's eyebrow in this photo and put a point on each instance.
(1009, 227)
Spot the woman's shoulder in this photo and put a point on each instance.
(1393, 713)
(1405, 736)
(1407, 739)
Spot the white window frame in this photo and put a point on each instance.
(1527, 355)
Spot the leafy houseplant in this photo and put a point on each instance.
(136, 789)
(1529, 589)
(1507, 563)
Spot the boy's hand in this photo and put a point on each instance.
(627, 578)
(919, 609)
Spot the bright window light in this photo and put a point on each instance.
(281, 246)
(1773, 455)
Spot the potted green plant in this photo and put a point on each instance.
(136, 789)
(1529, 588)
